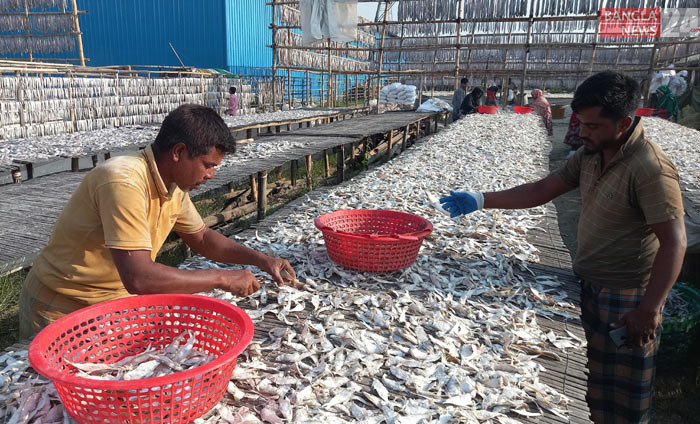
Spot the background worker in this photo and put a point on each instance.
(232, 102)
(105, 241)
(458, 97)
(631, 240)
(470, 103)
(666, 104)
(491, 96)
(542, 108)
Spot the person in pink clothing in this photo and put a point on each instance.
(232, 102)
(541, 106)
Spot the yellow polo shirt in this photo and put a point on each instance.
(121, 204)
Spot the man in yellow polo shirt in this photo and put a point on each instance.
(631, 240)
(105, 241)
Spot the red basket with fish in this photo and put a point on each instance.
(373, 240)
(112, 331)
(522, 109)
(645, 111)
(489, 110)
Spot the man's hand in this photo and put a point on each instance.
(241, 283)
(461, 203)
(641, 326)
(280, 270)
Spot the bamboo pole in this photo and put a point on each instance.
(459, 41)
(26, 20)
(262, 194)
(20, 98)
(79, 35)
(381, 57)
(432, 73)
(504, 88)
(652, 62)
(289, 88)
(330, 74)
(309, 165)
(402, 38)
(469, 53)
(496, 46)
(527, 53)
(274, 52)
(595, 40)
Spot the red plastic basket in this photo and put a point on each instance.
(491, 110)
(522, 109)
(373, 240)
(645, 111)
(112, 330)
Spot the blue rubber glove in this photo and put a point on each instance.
(462, 203)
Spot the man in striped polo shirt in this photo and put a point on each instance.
(631, 240)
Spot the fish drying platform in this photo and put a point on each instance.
(30, 209)
(565, 374)
(133, 137)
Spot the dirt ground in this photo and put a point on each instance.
(676, 392)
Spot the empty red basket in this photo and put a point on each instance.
(109, 331)
(522, 109)
(645, 111)
(491, 110)
(373, 240)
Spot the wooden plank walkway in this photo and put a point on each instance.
(364, 126)
(30, 209)
(570, 375)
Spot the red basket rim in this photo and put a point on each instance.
(522, 109)
(42, 340)
(428, 226)
(487, 108)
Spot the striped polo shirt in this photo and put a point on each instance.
(637, 188)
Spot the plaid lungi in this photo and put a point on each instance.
(620, 380)
(39, 306)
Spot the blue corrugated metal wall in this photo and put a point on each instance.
(137, 32)
(247, 34)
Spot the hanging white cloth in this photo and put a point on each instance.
(321, 19)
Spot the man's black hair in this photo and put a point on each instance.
(232, 90)
(198, 127)
(464, 80)
(617, 94)
(477, 92)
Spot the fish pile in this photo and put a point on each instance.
(260, 150)
(26, 397)
(676, 304)
(85, 143)
(454, 337)
(681, 145)
(29, 399)
(36, 149)
(279, 116)
(175, 357)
